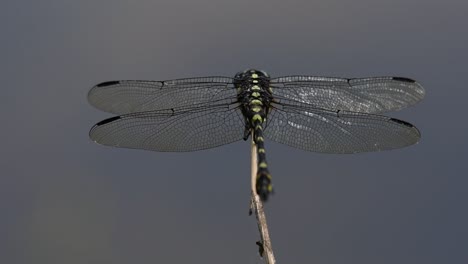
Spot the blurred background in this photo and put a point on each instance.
(65, 199)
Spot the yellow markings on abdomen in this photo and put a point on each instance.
(255, 88)
(256, 109)
(261, 150)
(257, 117)
(254, 75)
(256, 94)
(256, 102)
(262, 165)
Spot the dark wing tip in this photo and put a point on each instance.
(402, 122)
(109, 83)
(414, 130)
(403, 79)
(106, 121)
(101, 123)
(409, 125)
(95, 94)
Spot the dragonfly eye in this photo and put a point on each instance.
(241, 74)
(265, 74)
(249, 72)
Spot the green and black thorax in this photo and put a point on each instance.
(254, 96)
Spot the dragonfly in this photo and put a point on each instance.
(312, 113)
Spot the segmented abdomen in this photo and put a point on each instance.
(263, 184)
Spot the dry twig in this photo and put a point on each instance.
(265, 249)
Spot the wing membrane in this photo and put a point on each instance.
(129, 96)
(324, 131)
(365, 95)
(174, 131)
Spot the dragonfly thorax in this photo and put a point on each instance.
(253, 94)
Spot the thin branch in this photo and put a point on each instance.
(266, 251)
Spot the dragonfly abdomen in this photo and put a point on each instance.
(263, 183)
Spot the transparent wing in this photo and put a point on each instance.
(123, 97)
(365, 95)
(166, 130)
(324, 131)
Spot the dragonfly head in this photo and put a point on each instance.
(251, 73)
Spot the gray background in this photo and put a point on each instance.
(64, 199)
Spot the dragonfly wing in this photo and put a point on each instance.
(324, 131)
(365, 95)
(130, 96)
(172, 131)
